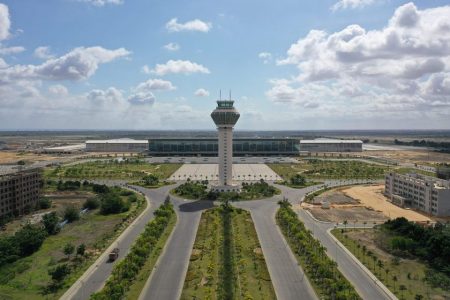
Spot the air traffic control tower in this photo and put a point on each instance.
(225, 116)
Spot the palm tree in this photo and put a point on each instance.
(402, 288)
(394, 279)
(387, 272)
(380, 265)
(345, 224)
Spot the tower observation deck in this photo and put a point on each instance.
(225, 116)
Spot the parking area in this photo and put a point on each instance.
(241, 172)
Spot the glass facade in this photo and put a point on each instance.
(209, 147)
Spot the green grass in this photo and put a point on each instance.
(417, 171)
(30, 275)
(111, 169)
(328, 169)
(226, 261)
(355, 239)
(139, 283)
(295, 186)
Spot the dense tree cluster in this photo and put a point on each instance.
(442, 146)
(323, 271)
(297, 180)
(125, 271)
(431, 244)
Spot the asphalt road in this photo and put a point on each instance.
(288, 278)
(94, 281)
(363, 284)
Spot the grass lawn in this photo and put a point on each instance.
(330, 169)
(27, 277)
(227, 261)
(112, 169)
(136, 288)
(409, 273)
(412, 170)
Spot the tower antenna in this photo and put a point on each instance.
(230, 95)
(220, 94)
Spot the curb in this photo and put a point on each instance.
(363, 267)
(314, 218)
(78, 284)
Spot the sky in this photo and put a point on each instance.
(289, 64)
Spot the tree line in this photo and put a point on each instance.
(327, 280)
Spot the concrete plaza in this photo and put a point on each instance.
(241, 172)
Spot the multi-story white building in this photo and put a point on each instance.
(428, 194)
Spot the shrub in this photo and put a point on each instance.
(71, 214)
(111, 203)
(51, 223)
(91, 203)
(44, 203)
(151, 179)
(29, 239)
(59, 272)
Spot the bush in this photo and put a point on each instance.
(111, 203)
(51, 223)
(44, 203)
(91, 203)
(59, 272)
(298, 179)
(29, 239)
(100, 188)
(71, 214)
(151, 180)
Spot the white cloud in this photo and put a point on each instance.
(154, 85)
(5, 22)
(193, 25)
(80, 63)
(265, 56)
(109, 96)
(172, 47)
(43, 52)
(179, 67)
(142, 98)
(11, 50)
(146, 69)
(344, 4)
(201, 93)
(58, 90)
(403, 67)
(102, 2)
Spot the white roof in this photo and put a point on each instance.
(66, 147)
(330, 141)
(118, 141)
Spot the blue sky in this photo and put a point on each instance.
(135, 64)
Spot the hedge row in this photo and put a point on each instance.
(126, 270)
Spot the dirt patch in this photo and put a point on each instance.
(351, 214)
(372, 197)
(412, 156)
(9, 157)
(334, 197)
(258, 251)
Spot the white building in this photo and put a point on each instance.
(225, 116)
(66, 149)
(330, 145)
(117, 145)
(428, 194)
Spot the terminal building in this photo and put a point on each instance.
(331, 145)
(210, 147)
(20, 191)
(427, 194)
(117, 145)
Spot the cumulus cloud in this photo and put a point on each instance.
(404, 66)
(142, 98)
(58, 90)
(154, 85)
(172, 47)
(344, 4)
(80, 63)
(265, 56)
(102, 2)
(201, 93)
(109, 96)
(11, 50)
(193, 25)
(179, 67)
(43, 52)
(5, 22)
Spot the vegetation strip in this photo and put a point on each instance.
(391, 253)
(125, 271)
(323, 272)
(227, 261)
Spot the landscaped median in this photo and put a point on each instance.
(323, 272)
(128, 275)
(227, 261)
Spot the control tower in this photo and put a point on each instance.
(225, 116)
